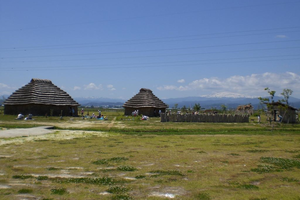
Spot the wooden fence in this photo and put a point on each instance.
(217, 118)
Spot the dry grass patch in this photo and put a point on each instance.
(99, 165)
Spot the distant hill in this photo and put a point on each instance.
(100, 102)
(205, 102)
(208, 103)
(2, 99)
(230, 103)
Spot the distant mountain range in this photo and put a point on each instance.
(205, 102)
(230, 103)
(100, 102)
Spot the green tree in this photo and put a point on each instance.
(197, 107)
(271, 93)
(223, 108)
(286, 93)
(270, 112)
(267, 100)
(189, 109)
(183, 109)
(175, 106)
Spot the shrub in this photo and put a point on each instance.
(25, 191)
(202, 196)
(117, 190)
(126, 168)
(265, 169)
(22, 176)
(42, 178)
(106, 161)
(59, 191)
(281, 162)
(53, 168)
(248, 187)
(290, 179)
(140, 176)
(95, 181)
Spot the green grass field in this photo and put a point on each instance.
(127, 158)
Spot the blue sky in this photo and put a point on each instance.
(176, 48)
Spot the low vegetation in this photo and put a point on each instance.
(134, 159)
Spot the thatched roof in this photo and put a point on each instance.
(145, 98)
(40, 91)
(282, 105)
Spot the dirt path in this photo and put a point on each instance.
(112, 122)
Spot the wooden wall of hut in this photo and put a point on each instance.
(40, 110)
(289, 115)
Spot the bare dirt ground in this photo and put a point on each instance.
(21, 132)
(73, 123)
(46, 131)
(45, 134)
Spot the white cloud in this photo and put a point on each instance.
(206, 83)
(6, 93)
(111, 87)
(6, 89)
(121, 97)
(93, 86)
(167, 87)
(4, 86)
(76, 88)
(240, 86)
(281, 36)
(181, 81)
(183, 88)
(228, 94)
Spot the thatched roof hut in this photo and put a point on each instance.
(41, 97)
(288, 113)
(146, 103)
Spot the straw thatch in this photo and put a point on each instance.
(40, 97)
(146, 102)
